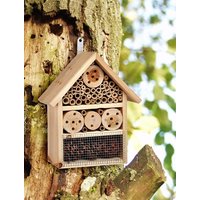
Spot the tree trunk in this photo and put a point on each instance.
(51, 29)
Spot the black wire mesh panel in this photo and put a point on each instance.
(91, 148)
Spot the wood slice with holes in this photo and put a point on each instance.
(93, 76)
(112, 119)
(73, 121)
(92, 120)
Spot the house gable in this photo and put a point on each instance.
(74, 70)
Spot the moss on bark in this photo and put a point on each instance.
(102, 18)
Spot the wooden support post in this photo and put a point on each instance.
(142, 177)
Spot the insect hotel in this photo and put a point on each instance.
(87, 118)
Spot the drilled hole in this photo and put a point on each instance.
(95, 70)
(74, 113)
(91, 125)
(89, 82)
(97, 79)
(73, 128)
(117, 123)
(117, 113)
(109, 125)
(92, 116)
(66, 121)
(32, 36)
(79, 121)
(87, 73)
(107, 113)
(92, 76)
(73, 122)
(111, 118)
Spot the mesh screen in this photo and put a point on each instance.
(91, 148)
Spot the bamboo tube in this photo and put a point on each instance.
(87, 101)
(78, 89)
(100, 111)
(72, 102)
(102, 86)
(94, 96)
(111, 84)
(92, 90)
(108, 94)
(105, 83)
(104, 100)
(106, 77)
(92, 101)
(89, 96)
(83, 87)
(110, 100)
(116, 100)
(84, 129)
(120, 92)
(83, 98)
(83, 112)
(65, 100)
(80, 83)
(77, 95)
(87, 90)
(107, 88)
(98, 101)
(78, 102)
(102, 128)
(100, 95)
(98, 90)
(120, 98)
(114, 94)
(69, 95)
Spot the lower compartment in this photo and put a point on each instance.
(92, 148)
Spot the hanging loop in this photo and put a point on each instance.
(80, 41)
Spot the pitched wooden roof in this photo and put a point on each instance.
(60, 86)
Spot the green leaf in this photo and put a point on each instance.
(162, 116)
(149, 56)
(149, 104)
(154, 19)
(173, 64)
(133, 72)
(172, 45)
(159, 139)
(168, 160)
(171, 102)
(158, 92)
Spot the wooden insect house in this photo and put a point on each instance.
(87, 118)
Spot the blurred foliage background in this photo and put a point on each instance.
(148, 65)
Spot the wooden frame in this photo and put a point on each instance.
(56, 110)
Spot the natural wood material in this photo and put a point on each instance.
(95, 106)
(92, 120)
(112, 119)
(73, 121)
(142, 177)
(93, 77)
(65, 80)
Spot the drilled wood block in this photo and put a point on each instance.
(92, 120)
(73, 121)
(93, 76)
(112, 119)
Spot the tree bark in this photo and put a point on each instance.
(142, 177)
(51, 29)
